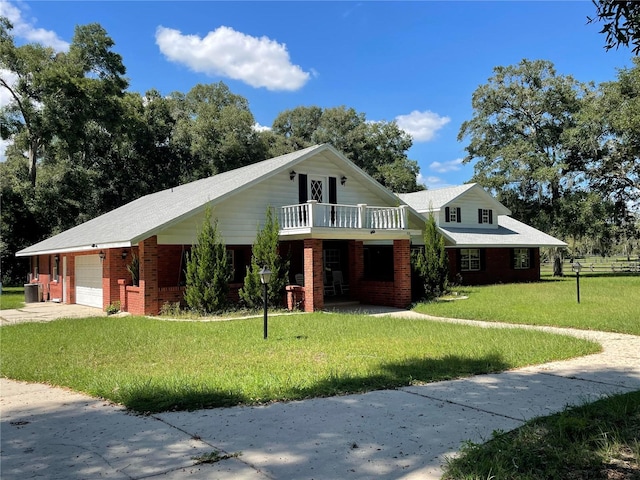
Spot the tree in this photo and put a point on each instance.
(613, 164)
(518, 129)
(208, 270)
(55, 94)
(432, 264)
(621, 22)
(215, 127)
(265, 253)
(523, 136)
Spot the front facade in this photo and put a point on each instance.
(484, 244)
(346, 235)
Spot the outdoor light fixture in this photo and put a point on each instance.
(56, 258)
(102, 256)
(124, 254)
(576, 267)
(343, 180)
(292, 175)
(265, 278)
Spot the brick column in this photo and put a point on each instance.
(313, 278)
(148, 253)
(401, 273)
(122, 287)
(356, 268)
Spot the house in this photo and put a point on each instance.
(345, 233)
(346, 236)
(484, 244)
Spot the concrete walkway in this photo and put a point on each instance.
(46, 312)
(392, 434)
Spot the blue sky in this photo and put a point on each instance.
(414, 62)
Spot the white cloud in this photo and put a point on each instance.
(26, 30)
(443, 167)
(10, 78)
(422, 126)
(3, 149)
(260, 128)
(431, 182)
(259, 62)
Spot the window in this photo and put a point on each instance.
(56, 267)
(231, 261)
(470, 259)
(332, 259)
(452, 214)
(378, 263)
(522, 258)
(317, 190)
(485, 215)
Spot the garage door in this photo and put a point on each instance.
(89, 281)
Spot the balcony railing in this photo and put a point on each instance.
(314, 214)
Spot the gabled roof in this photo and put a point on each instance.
(434, 200)
(510, 233)
(148, 215)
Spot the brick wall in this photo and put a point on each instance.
(396, 293)
(496, 267)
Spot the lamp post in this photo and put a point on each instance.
(265, 277)
(576, 267)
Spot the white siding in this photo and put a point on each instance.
(469, 203)
(240, 215)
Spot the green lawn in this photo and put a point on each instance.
(12, 297)
(607, 303)
(596, 441)
(153, 365)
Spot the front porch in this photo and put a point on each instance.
(314, 216)
(326, 271)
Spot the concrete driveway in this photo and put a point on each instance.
(47, 311)
(405, 433)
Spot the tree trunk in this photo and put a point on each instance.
(557, 265)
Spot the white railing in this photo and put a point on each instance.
(314, 214)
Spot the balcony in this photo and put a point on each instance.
(324, 215)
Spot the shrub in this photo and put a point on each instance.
(134, 269)
(265, 253)
(113, 308)
(208, 270)
(431, 264)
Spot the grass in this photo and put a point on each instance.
(607, 303)
(596, 441)
(151, 365)
(12, 297)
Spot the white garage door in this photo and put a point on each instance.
(89, 281)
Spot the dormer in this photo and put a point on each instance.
(463, 206)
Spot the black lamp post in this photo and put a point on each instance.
(265, 278)
(576, 267)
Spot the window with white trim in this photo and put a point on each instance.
(452, 215)
(521, 258)
(56, 267)
(486, 215)
(470, 259)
